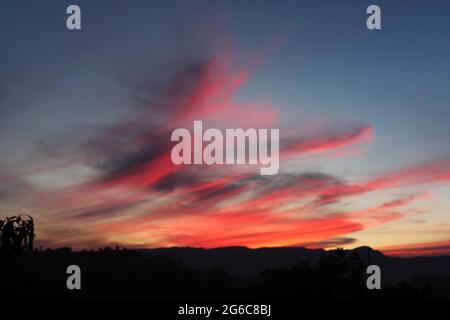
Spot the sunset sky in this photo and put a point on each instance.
(86, 118)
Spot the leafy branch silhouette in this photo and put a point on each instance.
(17, 233)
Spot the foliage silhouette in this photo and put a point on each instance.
(130, 274)
(17, 233)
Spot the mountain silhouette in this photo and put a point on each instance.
(221, 274)
(245, 262)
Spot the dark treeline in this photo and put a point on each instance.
(131, 275)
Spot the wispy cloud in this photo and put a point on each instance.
(136, 193)
(418, 249)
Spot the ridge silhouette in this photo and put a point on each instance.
(230, 273)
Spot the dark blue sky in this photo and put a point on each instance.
(329, 63)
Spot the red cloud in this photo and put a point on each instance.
(252, 229)
(328, 141)
(418, 249)
(213, 207)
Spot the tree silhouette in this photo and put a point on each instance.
(17, 233)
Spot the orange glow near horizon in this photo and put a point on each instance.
(139, 198)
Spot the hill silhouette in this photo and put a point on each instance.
(245, 262)
(222, 273)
